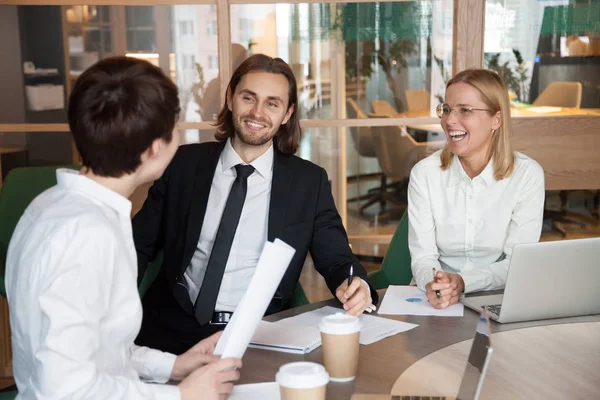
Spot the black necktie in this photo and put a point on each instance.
(207, 297)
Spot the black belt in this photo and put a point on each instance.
(220, 318)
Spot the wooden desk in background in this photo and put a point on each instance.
(565, 141)
(382, 363)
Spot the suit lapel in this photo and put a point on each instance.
(280, 189)
(205, 171)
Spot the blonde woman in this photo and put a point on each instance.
(472, 202)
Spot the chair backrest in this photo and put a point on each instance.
(8, 394)
(299, 297)
(395, 268)
(417, 100)
(397, 151)
(560, 94)
(19, 189)
(361, 136)
(382, 107)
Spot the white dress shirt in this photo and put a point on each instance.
(469, 226)
(75, 311)
(250, 235)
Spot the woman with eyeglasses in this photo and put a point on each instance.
(472, 202)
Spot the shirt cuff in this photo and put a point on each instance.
(367, 287)
(423, 277)
(153, 365)
(472, 282)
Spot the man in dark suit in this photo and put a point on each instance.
(217, 203)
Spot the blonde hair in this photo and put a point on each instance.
(495, 96)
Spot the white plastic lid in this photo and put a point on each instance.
(339, 324)
(302, 375)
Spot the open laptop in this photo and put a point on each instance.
(472, 380)
(546, 280)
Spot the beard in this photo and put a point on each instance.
(253, 138)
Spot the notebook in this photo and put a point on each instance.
(286, 338)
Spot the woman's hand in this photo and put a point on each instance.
(196, 357)
(211, 382)
(450, 286)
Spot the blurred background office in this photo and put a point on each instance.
(369, 74)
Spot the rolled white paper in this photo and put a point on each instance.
(272, 264)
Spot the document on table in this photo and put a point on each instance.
(372, 330)
(256, 391)
(410, 300)
(286, 338)
(272, 263)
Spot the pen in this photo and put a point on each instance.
(350, 274)
(437, 292)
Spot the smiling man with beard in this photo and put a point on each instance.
(218, 203)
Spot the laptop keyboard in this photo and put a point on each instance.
(494, 308)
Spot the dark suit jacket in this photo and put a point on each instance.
(301, 213)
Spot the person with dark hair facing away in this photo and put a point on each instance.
(71, 266)
(218, 203)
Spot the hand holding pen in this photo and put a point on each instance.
(355, 295)
(437, 292)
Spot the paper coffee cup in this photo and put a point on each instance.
(340, 334)
(302, 381)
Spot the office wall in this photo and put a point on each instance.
(11, 78)
(42, 43)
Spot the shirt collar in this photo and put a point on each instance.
(458, 174)
(263, 164)
(70, 179)
(487, 175)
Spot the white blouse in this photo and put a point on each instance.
(469, 226)
(75, 310)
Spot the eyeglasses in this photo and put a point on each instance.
(443, 110)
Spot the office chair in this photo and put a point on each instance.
(362, 137)
(397, 153)
(20, 187)
(417, 100)
(395, 268)
(383, 107)
(560, 94)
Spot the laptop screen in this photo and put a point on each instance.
(481, 349)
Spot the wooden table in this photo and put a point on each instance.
(546, 362)
(382, 363)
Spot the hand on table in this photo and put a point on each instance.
(450, 286)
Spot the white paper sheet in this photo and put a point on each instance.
(373, 328)
(272, 264)
(256, 391)
(410, 300)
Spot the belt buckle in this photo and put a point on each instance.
(221, 318)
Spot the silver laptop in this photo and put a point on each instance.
(546, 280)
(472, 380)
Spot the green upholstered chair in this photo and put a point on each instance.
(395, 268)
(20, 187)
(299, 297)
(8, 393)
